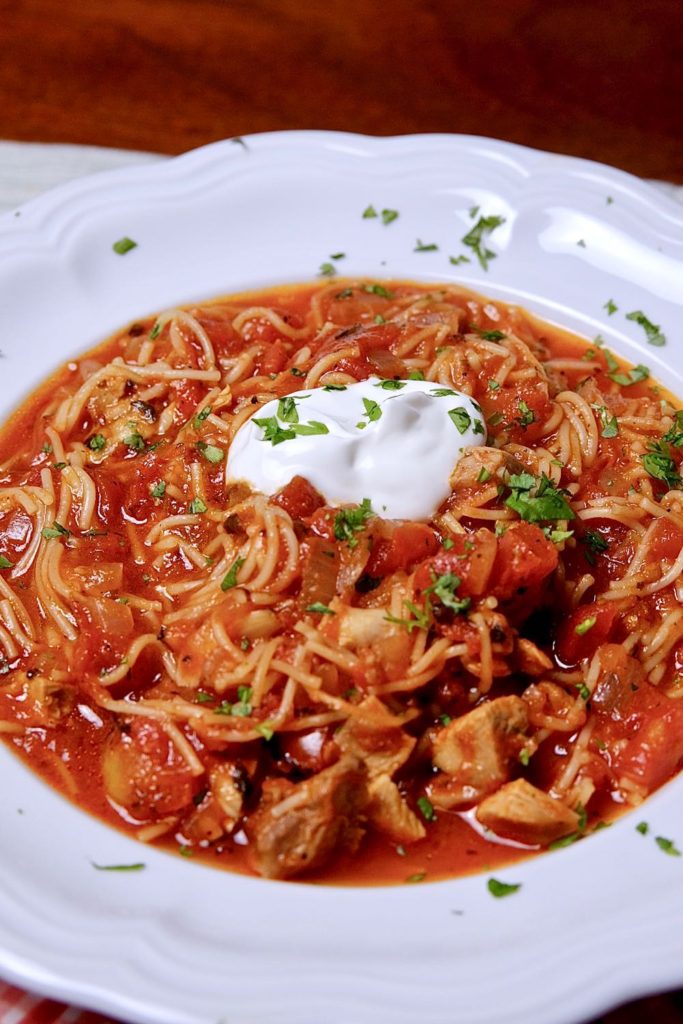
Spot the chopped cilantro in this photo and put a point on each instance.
(447, 543)
(537, 500)
(416, 375)
(378, 289)
(484, 475)
(426, 809)
(230, 578)
(500, 889)
(197, 506)
(524, 756)
(135, 441)
(296, 372)
(421, 617)
(5, 563)
(96, 442)
(596, 545)
(118, 867)
(474, 239)
(668, 846)
(158, 490)
(610, 307)
(124, 245)
(242, 709)
(59, 466)
(493, 385)
(335, 387)
(444, 587)
(425, 246)
(287, 410)
(372, 410)
(445, 719)
(369, 211)
(391, 385)
(461, 418)
(265, 730)
(388, 216)
(643, 828)
(201, 416)
(526, 416)
(337, 255)
(582, 689)
(652, 331)
(559, 844)
(610, 425)
(674, 434)
(633, 376)
(585, 625)
(319, 608)
(349, 521)
(455, 260)
(210, 452)
(327, 270)
(156, 331)
(54, 531)
(660, 465)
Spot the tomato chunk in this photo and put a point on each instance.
(399, 546)
(524, 559)
(571, 646)
(299, 498)
(471, 559)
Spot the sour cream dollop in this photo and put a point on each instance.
(394, 442)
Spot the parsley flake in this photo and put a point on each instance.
(230, 578)
(652, 331)
(500, 889)
(350, 521)
(667, 846)
(421, 246)
(475, 239)
(124, 245)
(319, 608)
(210, 452)
(610, 307)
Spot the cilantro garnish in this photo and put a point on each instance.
(537, 500)
(526, 416)
(55, 531)
(378, 289)
(660, 465)
(610, 307)
(230, 578)
(461, 418)
(327, 270)
(5, 563)
(201, 416)
(444, 587)
(96, 442)
(210, 452)
(475, 239)
(652, 331)
(667, 846)
(500, 889)
(118, 867)
(674, 434)
(426, 808)
(335, 387)
(124, 245)
(369, 211)
(643, 828)
(391, 385)
(422, 617)
(319, 608)
(596, 545)
(197, 506)
(416, 375)
(349, 521)
(610, 425)
(158, 490)
(135, 441)
(584, 626)
(372, 410)
(455, 260)
(425, 246)
(388, 216)
(633, 376)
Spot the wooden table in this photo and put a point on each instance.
(598, 80)
(595, 79)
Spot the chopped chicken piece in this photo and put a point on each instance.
(468, 468)
(299, 826)
(389, 812)
(521, 812)
(359, 627)
(221, 808)
(376, 737)
(475, 752)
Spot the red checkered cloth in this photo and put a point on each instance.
(19, 1007)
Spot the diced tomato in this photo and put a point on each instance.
(223, 337)
(299, 498)
(399, 546)
(571, 646)
(309, 751)
(524, 559)
(273, 358)
(666, 541)
(516, 405)
(470, 558)
(188, 395)
(656, 750)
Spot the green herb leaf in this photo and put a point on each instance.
(484, 475)
(652, 331)
(461, 418)
(327, 270)
(156, 331)
(158, 490)
(426, 809)
(643, 828)
(230, 578)
(455, 260)
(545, 503)
(416, 375)
(335, 387)
(444, 587)
(660, 465)
(5, 563)
(419, 876)
(425, 246)
(585, 625)
(201, 416)
(500, 889)
(474, 239)
(265, 730)
(422, 617)
(388, 216)
(369, 211)
(634, 376)
(668, 846)
(526, 416)
(610, 307)
(337, 255)
(372, 410)
(350, 521)
(296, 372)
(391, 385)
(97, 442)
(197, 506)
(674, 434)
(118, 867)
(124, 245)
(54, 531)
(319, 608)
(610, 425)
(135, 441)
(287, 411)
(210, 452)
(378, 289)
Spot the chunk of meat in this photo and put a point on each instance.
(299, 826)
(468, 469)
(376, 737)
(525, 814)
(388, 811)
(221, 806)
(476, 751)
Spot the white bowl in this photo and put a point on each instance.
(179, 943)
